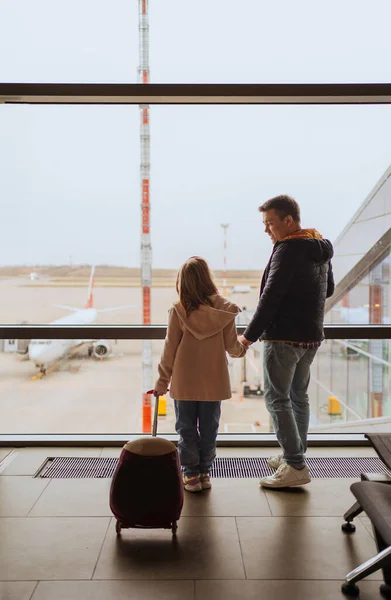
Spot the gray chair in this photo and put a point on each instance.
(375, 499)
(381, 442)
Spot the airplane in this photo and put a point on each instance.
(241, 289)
(46, 353)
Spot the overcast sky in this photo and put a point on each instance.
(69, 176)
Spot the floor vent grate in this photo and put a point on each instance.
(336, 467)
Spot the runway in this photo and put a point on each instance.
(88, 395)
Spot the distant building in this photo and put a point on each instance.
(19, 346)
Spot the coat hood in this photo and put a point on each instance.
(318, 248)
(207, 320)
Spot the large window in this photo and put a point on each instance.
(71, 219)
(220, 41)
(72, 184)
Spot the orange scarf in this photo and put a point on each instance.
(304, 234)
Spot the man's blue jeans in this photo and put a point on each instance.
(197, 424)
(286, 379)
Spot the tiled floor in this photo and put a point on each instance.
(57, 539)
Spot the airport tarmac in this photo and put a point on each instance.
(88, 395)
(93, 396)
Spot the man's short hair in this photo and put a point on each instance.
(283, 205)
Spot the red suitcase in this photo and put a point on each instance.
(146, 489)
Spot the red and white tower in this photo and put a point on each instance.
(146, 247)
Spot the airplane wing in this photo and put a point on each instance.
(73, 308)
(102, 310)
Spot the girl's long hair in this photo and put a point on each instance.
(194, 284)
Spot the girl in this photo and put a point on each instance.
(201, 329)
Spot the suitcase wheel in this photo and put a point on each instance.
(174, 528)
(118, 527)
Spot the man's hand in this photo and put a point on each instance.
(244, 341)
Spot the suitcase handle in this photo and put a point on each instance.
(155, 413)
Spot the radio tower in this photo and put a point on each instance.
(146, 247)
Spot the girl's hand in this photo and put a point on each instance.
(244, 341)
(156, 393)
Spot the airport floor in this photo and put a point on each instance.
(58, 539)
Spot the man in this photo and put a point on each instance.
(289, 320)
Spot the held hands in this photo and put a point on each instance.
(244, 341)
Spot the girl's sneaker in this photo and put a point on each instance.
(205, 481)
(192, 484)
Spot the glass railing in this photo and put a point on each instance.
(72, 380)
(350, 387)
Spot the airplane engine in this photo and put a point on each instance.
(101, 348)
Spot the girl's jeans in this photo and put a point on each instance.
(197, 424)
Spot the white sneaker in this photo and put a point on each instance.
(275, 461)
(192, 484)
(286, 476)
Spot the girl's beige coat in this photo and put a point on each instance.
(194, 356)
